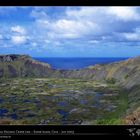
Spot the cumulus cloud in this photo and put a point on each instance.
(94, 41)
(43, 23)
(34, 44)
(1, 36)
(72, 29)
(85, 12)
(79, 27)
(18, 39)
(133, 36)
(99, 13)
(124, 13)
(18, 29)
(80, 22)
(67, 26)
(38, 13)
(95, 23)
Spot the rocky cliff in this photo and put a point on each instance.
(124, 73)
(22, 66)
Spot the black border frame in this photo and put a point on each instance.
(69, 2)
(94, 130)
(70, 130)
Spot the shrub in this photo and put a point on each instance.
(126, 76)
(111, 81)
(112, 121)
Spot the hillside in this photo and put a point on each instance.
(123, 74)
(21, 66)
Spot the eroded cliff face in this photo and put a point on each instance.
(22, 66)
(124, 73)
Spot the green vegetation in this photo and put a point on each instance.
(111, 81)
(126, 76)
(60, 101)
(110, 121)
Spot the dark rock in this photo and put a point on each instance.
(1, 72)
(12, 57)
(12, 71)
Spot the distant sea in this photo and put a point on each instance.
(77, 63)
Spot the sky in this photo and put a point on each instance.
(70, 31)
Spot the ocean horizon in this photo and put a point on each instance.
(70, 63)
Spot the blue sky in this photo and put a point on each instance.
(70, 31)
